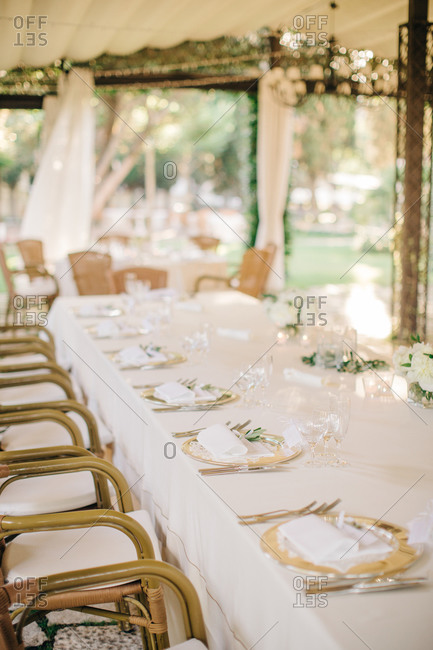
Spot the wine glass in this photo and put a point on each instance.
(312, 427)
(197, 345)
(264, 369)
(340, 410)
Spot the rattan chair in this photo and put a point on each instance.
(206, 243)
(74, 543)
(156, 277)
(32, 253)
(252, 275)
(31, 299)
(91, 273)
(137, 577)
(58, 547)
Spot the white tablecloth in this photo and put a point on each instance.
(248, 599)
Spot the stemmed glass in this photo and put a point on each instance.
(256, 377)
(312, 427)
(338, 421)
(197, 345)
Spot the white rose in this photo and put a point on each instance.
(283, 314)
(401, 356)
(421, 369)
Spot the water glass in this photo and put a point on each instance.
(338, 421)
(329, 350)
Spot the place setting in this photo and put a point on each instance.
(145, 357)
(241, 448)
(187, 395)
(118, 329)
(340, 553)
(92, 310)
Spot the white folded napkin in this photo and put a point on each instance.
(421, 527)
(202, 394)
(292, 436)
(221, 442)
(230, 333)
(135, 355)
(107, 328)
(88, 311)
(320, 542)
(155, 355)
(174, 393)
(304, 378)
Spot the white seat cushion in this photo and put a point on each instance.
(17, 359)
(34, 435)
(48, 434)
(44, 494)
(31, 393)
(192, 644)
(49, 552)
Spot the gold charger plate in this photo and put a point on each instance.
(226, 397)
(172, 359)
(282, 454)
(401, 557)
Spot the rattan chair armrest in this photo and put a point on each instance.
(11, 525)
(29, 348)
(42, 378)
(29, 328)
(23, 340)
(64, 406)
(44, 415)
(215, 278)
(43, 453)
(138, 570)
(97, 466)
(42, 365)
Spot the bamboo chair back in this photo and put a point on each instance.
(92, 273)
(32, 252)
(156, 277)
(255, 268)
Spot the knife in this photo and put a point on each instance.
(387, 584)
(239, 469)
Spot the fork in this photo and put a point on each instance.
(185, 434)
(280, 514)
(191, 432)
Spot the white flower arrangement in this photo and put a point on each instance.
(282, 309)
(415, 363)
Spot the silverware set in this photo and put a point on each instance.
(243, 469)
(263, 517)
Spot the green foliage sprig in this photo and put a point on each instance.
(351, 364)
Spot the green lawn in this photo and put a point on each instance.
(317, 260)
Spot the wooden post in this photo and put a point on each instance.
(411, 229)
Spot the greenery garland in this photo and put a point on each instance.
(350, 364)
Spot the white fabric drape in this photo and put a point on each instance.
(37, 32)
(274, 153)
(60, 204)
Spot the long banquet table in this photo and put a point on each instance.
(250, 601)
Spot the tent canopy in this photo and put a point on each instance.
(84, 29)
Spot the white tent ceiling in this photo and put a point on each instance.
(84, 29)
